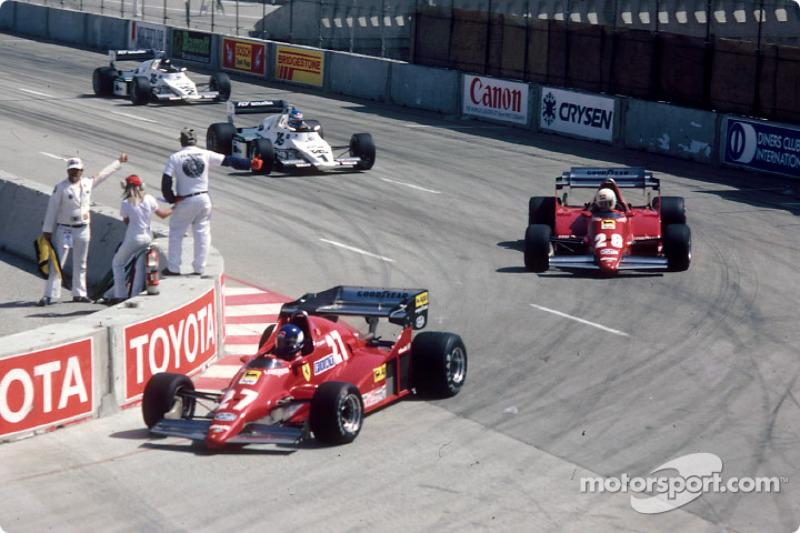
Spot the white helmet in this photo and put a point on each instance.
(605, 199)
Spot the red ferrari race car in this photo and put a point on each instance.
(315, 373)
(607, 233)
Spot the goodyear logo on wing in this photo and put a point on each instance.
(324, 364)
(250, 377)
(608, 224)
(422, 299)
(379, 373)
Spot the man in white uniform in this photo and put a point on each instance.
(66, 226)
(189, 168)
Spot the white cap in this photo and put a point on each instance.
(74, 162)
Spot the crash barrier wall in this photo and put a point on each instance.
(705, 72)
(99, 363)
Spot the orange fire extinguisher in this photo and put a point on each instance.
(152, 270)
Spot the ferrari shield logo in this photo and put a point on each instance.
(307, 372)
(379, 373)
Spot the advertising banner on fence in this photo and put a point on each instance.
(299, 65)
(495, 99)
(191, 46)
(146, 36)
(762, 146)
(44, 388)
(584, 115)
(180, 341)
(244, 56)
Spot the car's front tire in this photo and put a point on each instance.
(537, 247)
(103, 81)
(221, 83)
(141, 91)
(438, 363)
(363, 147)
(677, 241)
(337, 413)
(219, 137)
(262, 148)
(161, 395)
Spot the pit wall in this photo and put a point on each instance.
(99, 363)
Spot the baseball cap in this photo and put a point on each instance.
(188, 136)
(74, 162)
(133, 179)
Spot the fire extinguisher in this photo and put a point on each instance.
(151, 262)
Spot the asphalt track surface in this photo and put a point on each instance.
(570, 376)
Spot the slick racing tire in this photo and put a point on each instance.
(219, 137)
(221, 83)
(542, 210)
(673, 210)
(537, 247)
(103, 81)
(337, 413)
(678, 247)
(362, 146)
(163, 393)
(438, 364)
(141, 91)
(264, 150)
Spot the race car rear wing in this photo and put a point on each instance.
(405, 307)
(256, 106)
(591, 178)
(133, 55)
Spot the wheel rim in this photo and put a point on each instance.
(457, 366)
(350, 414)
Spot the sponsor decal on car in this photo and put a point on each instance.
(422, 299)
(324, 364)
(225, 417)
(250, 377)
(375, 396)
(608, 224)
(609, 251)
(379, 373)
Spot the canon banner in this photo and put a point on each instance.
(580, 114)
(495, 99)
(180, 341)
(45, 388)
(299, 65)
(761, 146)
(244, 56)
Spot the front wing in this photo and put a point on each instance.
(628, 262)
(197, 430)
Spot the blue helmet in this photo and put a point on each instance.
(295, 118)
(289, 341)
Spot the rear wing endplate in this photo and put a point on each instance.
(405, 307)
(591, 177)
(256, 106)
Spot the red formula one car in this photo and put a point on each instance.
(325, 383)
(607, 233)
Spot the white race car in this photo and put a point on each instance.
(284, 141)
(156, 79)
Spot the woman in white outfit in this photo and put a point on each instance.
(136, 210)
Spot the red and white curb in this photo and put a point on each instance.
(248, 312)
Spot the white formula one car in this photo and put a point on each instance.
(285, 142)
(156, 79)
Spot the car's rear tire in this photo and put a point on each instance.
(362, 146)
(337, 413)
(103, 81)
(141, 91)
(162, 392)
(219, 137)
(262, 148)
(542, 210)
(677, 240)
(673, 210)
(537, 247)
(438, 364)
(221, 83)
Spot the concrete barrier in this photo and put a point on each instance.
(99, 363)
(427, 88)
(359, 76)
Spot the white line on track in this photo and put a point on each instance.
(411, 185)
(582, 321)
(134, 117)
(357, 250)
(37, 93)
(54, 156)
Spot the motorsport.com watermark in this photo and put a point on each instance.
(697, 473)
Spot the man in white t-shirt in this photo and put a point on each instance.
(188, 167)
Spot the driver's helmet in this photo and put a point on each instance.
(289, 341)
(295, 119)
(605, 199)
